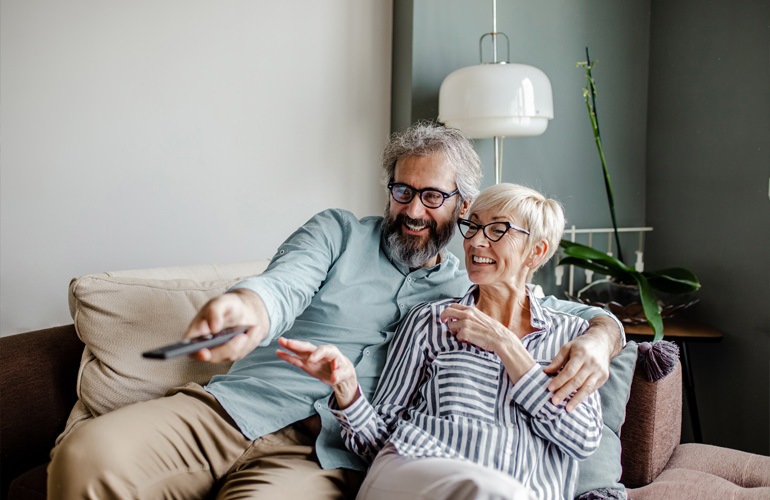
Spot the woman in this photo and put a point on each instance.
(462, 409)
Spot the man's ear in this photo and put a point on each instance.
(465, 207)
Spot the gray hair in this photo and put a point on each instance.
(427, 138)
(542, 217)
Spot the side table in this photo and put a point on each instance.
(681, 331)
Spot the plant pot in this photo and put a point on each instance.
(622, 300)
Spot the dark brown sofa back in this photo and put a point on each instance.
(38, 373)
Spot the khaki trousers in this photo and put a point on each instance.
(185, 446)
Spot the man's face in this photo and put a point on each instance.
(416, 234)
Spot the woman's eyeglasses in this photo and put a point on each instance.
(493, 231)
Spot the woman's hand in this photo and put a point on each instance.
(327, 364)
(469, 324)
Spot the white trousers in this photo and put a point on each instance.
(393, 477)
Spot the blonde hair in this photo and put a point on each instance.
(542, 217)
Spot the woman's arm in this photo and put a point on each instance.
(576, 432)
(365, 428)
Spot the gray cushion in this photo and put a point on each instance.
(602, 470)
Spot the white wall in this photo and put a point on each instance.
(155, 133)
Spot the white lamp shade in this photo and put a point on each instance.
(496, 100)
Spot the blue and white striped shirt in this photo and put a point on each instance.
(439, 397)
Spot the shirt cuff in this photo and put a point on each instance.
(260, 288)
(531, 390)
(355, 416)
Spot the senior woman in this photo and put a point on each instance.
(462, 409)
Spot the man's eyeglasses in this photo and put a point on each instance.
(493, 231)
(431, 198)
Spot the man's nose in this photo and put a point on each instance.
(415, 209)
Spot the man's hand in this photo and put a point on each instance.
(240, 307)
(587, 361)
(327, 364)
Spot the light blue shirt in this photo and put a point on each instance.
(331, 282)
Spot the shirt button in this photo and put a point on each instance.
(409, 279)
(367, 352)
(401, 306)
(318, 406)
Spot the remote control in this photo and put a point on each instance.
(189, 346)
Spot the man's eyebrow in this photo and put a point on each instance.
(431, 188)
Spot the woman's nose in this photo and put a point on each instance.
(479, 239)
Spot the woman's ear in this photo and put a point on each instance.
(538, 253)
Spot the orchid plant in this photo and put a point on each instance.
(672, 280)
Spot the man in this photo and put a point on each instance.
(263, 430)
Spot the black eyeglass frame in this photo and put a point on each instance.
(466, 225)
(421, 192)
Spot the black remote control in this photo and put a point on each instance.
(189, 346)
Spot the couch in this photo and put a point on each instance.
(55, 379)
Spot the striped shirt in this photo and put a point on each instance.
(439, 397)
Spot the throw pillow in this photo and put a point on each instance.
(602, 470)
(120, 315)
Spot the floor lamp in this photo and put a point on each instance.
(496, 99)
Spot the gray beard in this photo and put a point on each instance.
(410, 250)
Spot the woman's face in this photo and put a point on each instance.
(496, 262)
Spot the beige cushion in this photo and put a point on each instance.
(121, 314)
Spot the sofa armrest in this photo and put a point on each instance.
(38, 373)
(652, 428)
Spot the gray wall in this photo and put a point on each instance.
(708, 168)
(700, 183)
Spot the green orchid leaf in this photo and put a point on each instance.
(675, 280)
(585, 252)
(585, 264)
(597, 267)
(650, 306)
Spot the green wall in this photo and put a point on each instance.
(655, 61)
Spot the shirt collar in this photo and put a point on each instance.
(540, 319)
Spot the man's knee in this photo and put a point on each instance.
(91, 443)
(80, 460)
